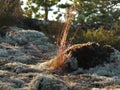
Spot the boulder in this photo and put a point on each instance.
(87, 55)
(47, 82)
(108, 69)
(22, 45)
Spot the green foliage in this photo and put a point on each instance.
(64, 5)
(33, 7)
(101, 36)
(75, 36)
(97, 11)
(52, 30)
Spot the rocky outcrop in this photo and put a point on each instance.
(85, 57)
(108, 69)
(34, 24)
(21, 45)
(47, 82)
(88, 55)
(22, 67)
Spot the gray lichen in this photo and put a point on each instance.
(42, 82)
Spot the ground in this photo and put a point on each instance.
(20, 66)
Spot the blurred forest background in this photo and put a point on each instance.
(95, 20)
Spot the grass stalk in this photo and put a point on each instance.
(61, 56)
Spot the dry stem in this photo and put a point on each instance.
(61, 57)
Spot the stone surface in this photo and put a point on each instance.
(47, 82)
(90, 54)
(22, 67)
(21, 45)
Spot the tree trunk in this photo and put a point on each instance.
(10, 12)
(12, 7)
(46, 10)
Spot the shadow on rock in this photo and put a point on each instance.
(87, 55)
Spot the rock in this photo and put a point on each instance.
(89, 55)
(83, 57)
(108, 69)
(70, 65)
(15, 67)
(18, 83)
(115, 55)
(28, 23)
(21, 45)
(6, 86)
(4, 30)
(49, 82)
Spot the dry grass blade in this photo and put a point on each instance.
(61, 57)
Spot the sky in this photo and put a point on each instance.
(51, 15)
